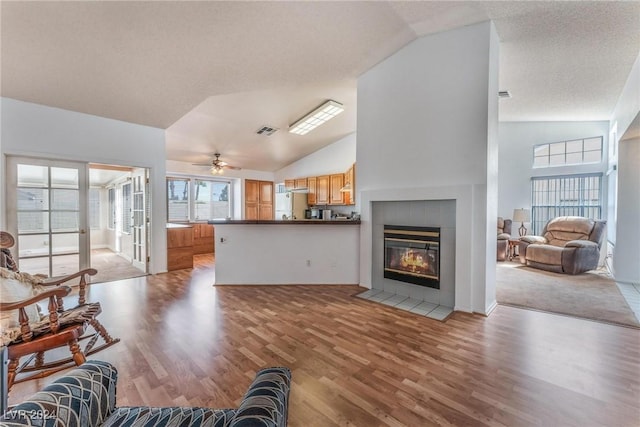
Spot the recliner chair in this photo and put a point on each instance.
(504, 234)
(569, 244)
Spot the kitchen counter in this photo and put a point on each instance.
(175, 225)
(288, 222)
(285, 252)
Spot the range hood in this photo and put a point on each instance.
(299, 190)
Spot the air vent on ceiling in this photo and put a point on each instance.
(267, 130)
(504, 94)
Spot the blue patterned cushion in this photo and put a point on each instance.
(265, 403)
(83, 398)
(152, 417)
(86, 398)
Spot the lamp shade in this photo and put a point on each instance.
(521, 215)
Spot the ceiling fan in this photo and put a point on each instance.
(217, 166)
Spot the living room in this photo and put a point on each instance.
(409, 145)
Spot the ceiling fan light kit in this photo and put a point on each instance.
(217, 166)
(315, 118)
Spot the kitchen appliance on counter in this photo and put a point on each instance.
(291, 205)
(315, 213)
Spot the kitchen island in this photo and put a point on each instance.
(286, 252)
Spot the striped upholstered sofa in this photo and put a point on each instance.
(86, 397)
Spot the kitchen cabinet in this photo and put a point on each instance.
(301, 183)
(251, 191)
(258, 202)
(179, 246)
(336, 183)
(325, 189)
(322, 190)
(289, 184)
(349, 180)
(266, 192)
(203, 237)
(311, 195)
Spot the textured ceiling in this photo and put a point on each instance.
(212, 73)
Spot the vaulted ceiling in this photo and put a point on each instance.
(212, 73)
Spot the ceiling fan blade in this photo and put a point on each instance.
(232, 167)
(201, 164)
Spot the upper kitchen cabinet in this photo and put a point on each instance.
(322, 190)
(258, 200)
(289, 184)
(350, 186)
(335, 185)
(301, 183)
(335, 189)
(312, 186)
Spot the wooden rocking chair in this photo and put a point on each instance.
(60, 328)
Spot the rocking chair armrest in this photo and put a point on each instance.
(57, 292)
(55, 281)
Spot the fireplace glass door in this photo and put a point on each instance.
(412, 255)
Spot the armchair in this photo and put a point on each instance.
(25, 332)
(86, 397)
(568, 244)
(504, 234)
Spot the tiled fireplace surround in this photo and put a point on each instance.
(433, 303)
(447, 207)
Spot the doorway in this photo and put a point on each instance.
(68, 216)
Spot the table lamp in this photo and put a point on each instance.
(521, 216)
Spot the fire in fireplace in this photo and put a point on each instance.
(412, 254)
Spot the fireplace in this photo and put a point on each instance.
(412, 255)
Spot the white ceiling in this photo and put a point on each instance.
(212, 73)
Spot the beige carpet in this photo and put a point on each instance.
(589, 295)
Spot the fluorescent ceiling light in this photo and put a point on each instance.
(315, 118)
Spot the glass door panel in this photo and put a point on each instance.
(140, 218)
(47, 210)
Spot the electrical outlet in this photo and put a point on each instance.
(223, 240)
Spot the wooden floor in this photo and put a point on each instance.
(358, 363)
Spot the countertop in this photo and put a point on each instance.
(288, 222)
(174, 225)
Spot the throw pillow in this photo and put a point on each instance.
(13, 289)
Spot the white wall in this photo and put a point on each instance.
(626, 258)
(39, 131)
(628, 104)
(626, 118)
(427, 119)
(516, 157)
(335, 158)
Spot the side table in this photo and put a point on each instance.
(513, 246)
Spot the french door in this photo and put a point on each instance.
(140, 217)
(47, 212)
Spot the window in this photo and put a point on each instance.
(94, 208)
(575, 152)
(211, 200)
(126, 208)
(198, 199)
(177, 199)
(578, 195)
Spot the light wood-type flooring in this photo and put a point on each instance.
(358, 363)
